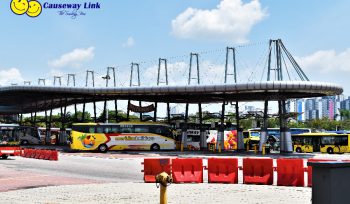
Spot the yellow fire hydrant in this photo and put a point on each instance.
(164, 180)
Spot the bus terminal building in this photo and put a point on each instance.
(31, 99)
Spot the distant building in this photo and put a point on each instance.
(345, 104)
(317, 108)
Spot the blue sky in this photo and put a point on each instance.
(124, 31)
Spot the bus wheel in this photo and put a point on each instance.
(298, 149)
(330, 150)
(155, 147)
(4, 156)
(102, 148)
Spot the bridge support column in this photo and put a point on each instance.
(240, 139)
(263, 138)
(263, 130)
(221, 132)
(220, 138)
(184, 137)
(286, 145)
(203, 139)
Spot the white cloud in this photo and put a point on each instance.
(231, 21)
(74, 58)
(10, 76)
(328, 66)
(129, 42)
(327, 61)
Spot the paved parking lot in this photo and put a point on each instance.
(117, 176)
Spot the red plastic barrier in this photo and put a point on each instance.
(187, 170)
(222, 170)
(37, 153)
(26, 153)
(258, 171)
(33, 153)
(54, 155)
(309, 170)
(47, 154)
(152, 167)
(290, 172)
(23, 152)
(18, 151)
(42, 154)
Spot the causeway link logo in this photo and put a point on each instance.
(32, 7)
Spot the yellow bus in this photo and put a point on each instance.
(321, 142)
(121, 136)
(250, 138)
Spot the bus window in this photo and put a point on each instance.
(255, 134)
(328, 140)
(343, 140)
(141, 129)
(162, 130)
(307, 141)
(107, 129)
(297, 140)
(115, 129)
(246, 134)
(83, 128)
(99, 129)
(126, 129)
(192, 138)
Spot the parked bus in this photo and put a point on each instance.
(55, 134)
(252, 136)
(13, 134)
(321, 142)
(193, 133)
(121, 136)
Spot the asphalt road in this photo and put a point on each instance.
(100, 169)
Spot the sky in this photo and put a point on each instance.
(125, 31)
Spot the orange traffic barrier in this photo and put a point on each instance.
(189, 170)
(153, 167)
(309, 170)
(222, 170)
(290, 172)
(258, 171)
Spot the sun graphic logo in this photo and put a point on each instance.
(32, 8)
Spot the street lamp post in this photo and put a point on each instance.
(107, 77)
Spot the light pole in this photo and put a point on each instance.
(107, 77)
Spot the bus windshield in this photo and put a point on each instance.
(255, 134)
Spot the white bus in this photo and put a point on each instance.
(15, 134)
(121, 136)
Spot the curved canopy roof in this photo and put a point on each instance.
(25, 99)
